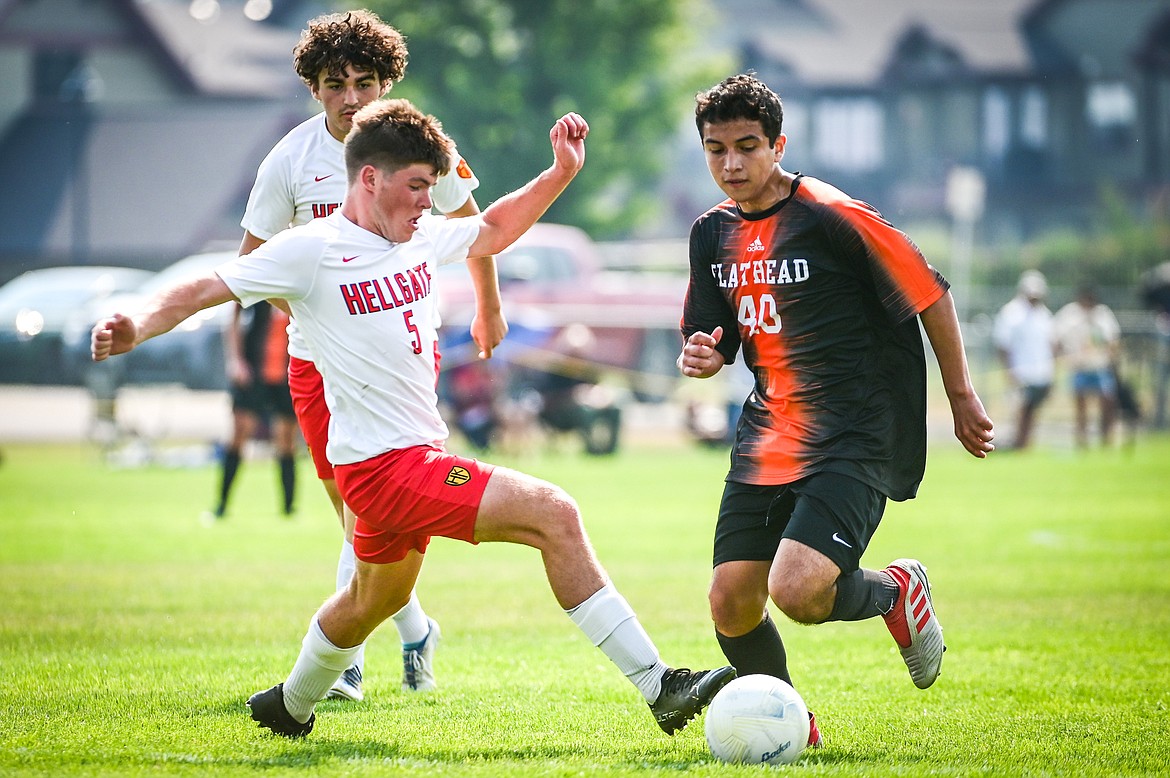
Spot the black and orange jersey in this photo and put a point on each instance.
(265, 342)
(822, 295)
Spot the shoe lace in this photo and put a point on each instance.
(411, 664)
(680, 679)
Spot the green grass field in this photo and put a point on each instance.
(131, 634)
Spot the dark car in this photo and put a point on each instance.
(35, 309)
(191, 354)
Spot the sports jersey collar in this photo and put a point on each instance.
(758, 215)
(327, 134)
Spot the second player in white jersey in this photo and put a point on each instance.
(303, 178)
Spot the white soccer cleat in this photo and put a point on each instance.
(418, 661)
(913, 623)
(348, 686)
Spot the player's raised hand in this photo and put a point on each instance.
(568, 142)
(115, 335)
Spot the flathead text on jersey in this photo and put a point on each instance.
(760, 271)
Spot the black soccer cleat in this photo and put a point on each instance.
(684, 693)
(268, 709)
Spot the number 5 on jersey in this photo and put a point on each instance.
(761, 315)
(413, 330)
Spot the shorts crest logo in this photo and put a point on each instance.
(458, 476)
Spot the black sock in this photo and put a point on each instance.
(288, 480)
(231, 464)
(759, 651)
(864, 594)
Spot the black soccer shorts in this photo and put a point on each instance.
(832, 513)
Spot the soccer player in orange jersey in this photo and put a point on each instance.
(823, 298)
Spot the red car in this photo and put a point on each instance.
(568, 313)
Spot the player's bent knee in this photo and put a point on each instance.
(799, 612)
(552, 507)
(563, 520)
(733, 617)
(798, 604)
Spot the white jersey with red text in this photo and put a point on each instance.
(365, 307)
(303, 178)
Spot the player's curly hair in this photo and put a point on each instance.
(391, 134)
(741, 97)
(356, 38)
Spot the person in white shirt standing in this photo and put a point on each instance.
(1089, 337)
(360, 284)
(348, 60)
(1024, 340)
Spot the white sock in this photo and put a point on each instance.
(346, 565)
(412, 623)
(317, 668)
(609, 622)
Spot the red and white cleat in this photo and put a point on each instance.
(913, 623)
(814, 732)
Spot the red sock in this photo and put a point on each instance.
(896, 618)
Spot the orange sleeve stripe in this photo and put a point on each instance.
(896, 253)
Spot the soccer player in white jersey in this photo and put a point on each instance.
(347, 60)
(360, 283)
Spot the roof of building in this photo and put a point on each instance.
(843, 43)
(150, 184)
(101, 174)
(229, 54)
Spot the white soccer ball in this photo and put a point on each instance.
(757, 719)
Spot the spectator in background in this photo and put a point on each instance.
(471, 393)
(256, 351)
(572, 398)
(1089, 338)
(1155, 292)
(1024, 341)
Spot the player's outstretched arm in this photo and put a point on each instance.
(120, 333)
(508, 218)
(699, 357)
(488, 324)
(973, 426)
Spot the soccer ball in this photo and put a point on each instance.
(757, 719)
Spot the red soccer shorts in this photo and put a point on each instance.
(405, 497)
(308, 397)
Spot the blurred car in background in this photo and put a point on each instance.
(625, 324)
(35, 309)
(190, 355)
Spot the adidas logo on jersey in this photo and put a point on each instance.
(756, 245)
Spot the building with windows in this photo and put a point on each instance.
(130, 130)
(1049, 100)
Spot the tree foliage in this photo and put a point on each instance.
(1115, 249)
(498, 73)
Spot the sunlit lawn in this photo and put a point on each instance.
(132, 634)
